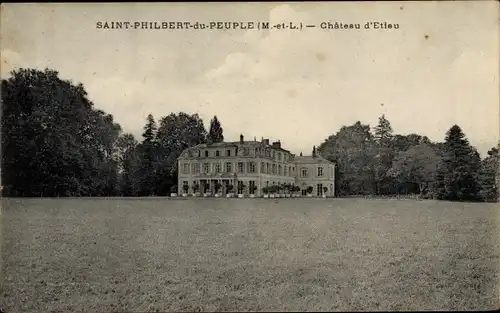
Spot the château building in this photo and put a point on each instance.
(249, 166)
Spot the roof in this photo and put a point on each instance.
(309, 159)
(235, 144)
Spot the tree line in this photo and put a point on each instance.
(55, 142)
(378, 162)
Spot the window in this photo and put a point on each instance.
(267, 168)
(240, 167)
(185, 168)
(256, 151)
(304, 172)
(251, 185)
(206, 168)
(217, 153)
(199, 153)
(290, 170)
(320, 171)
(229, 167)
(279, 170)
(285, 168)
(279, 156)
(251, 167)
(319, 189)
(217, 167)
(274, 155)
(195, 168)
(206, 154)
(274, 169)
(262, 168)
(228, 152)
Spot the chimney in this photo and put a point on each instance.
(265, 141)
(314, 151)
(241, 138)
(300, 153)
(277, 144)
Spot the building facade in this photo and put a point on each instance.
(249, 166)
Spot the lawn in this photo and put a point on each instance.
(102, 255)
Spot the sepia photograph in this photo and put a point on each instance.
(250, 156)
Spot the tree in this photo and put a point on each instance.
(253, 189)
(352, 148)
(383, 132)
(107, 134)
(457, 177)
(54, 142)
(196, 187)
(176, 132)
(384, 155)
(241, 187)
(217, 187)
(417, 166)
(148, 151)
(405, 142)
(128, 165)
(489, 176)
(173, 189)
(309, 190)
(215, 133)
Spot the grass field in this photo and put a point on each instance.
(248, 255)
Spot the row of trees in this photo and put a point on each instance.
(378, 162)
(150, 167)
(56, 143)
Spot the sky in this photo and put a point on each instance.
(440, 68)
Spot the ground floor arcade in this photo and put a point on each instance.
(248, 186)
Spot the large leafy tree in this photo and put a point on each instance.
(176, 132)
(54, 142)
(352, 149)
(457, 177)
(405, 142)
(129, 164)
(415, 167)
(215, 133)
